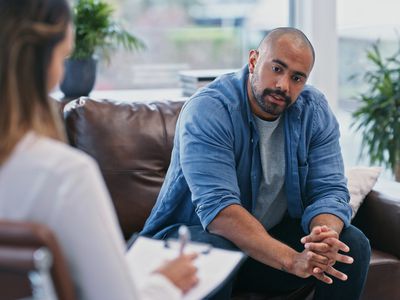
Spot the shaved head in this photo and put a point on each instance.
(278, 71)
(298, 38)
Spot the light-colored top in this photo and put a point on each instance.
(271, 200)
(49, 182)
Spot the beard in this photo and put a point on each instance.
(264, 104)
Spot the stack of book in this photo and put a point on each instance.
(192, 80)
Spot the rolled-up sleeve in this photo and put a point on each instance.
(206, 142)
(325, 188)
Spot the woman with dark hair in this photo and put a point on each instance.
(44, 180)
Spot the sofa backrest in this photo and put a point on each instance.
(132, 143)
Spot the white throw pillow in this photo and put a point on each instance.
(360, 182)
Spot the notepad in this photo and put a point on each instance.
(214, 264)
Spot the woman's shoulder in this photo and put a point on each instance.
(41, 173)
(44, 153)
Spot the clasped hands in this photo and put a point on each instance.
(321, 252)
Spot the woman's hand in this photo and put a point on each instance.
(181, 272)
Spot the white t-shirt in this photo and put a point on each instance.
(49, 182)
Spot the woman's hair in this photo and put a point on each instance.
(29, 32)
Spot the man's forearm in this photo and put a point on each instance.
(237, 225)
(329, 220)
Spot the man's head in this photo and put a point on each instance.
(278, 71)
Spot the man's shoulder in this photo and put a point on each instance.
(314, 110)
(311, 100)
(311, 95)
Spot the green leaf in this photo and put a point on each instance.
(97, 32)
(378, 117)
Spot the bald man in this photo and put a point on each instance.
(257, 166)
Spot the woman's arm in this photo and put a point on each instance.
(88, 231)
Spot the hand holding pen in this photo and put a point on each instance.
(181, 271)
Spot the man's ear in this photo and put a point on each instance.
(253, 57)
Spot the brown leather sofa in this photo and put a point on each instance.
(132, 143)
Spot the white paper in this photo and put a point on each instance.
(213, 264)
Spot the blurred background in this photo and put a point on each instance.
(217, 34)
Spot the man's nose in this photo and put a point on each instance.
(283, 83)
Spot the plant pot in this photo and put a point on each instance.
(79, 78)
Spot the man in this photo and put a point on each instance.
(256, 165)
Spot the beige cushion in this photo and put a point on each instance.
(360, 182)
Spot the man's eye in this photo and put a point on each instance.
(297, 78)
(275, 69)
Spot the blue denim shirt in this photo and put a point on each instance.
(216, 162)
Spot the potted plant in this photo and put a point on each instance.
(96, 33)
(378, 117)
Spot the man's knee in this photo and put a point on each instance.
(358, 243)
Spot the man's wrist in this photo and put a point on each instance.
(328, 226)
(331, 221)
(287, 262)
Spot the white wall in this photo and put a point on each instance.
(317, 19)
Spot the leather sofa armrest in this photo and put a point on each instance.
(379, 218)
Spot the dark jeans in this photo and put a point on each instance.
(254, 276)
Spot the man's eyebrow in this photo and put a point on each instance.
(278, 61)
(300, 74)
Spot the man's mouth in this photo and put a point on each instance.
(277, 99)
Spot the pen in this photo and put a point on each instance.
(184, 237)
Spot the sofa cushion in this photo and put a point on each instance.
(132, 143)
(360, 181)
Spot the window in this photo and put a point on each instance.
(360, 24)
(187, 34)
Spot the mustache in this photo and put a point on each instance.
(280, 93)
